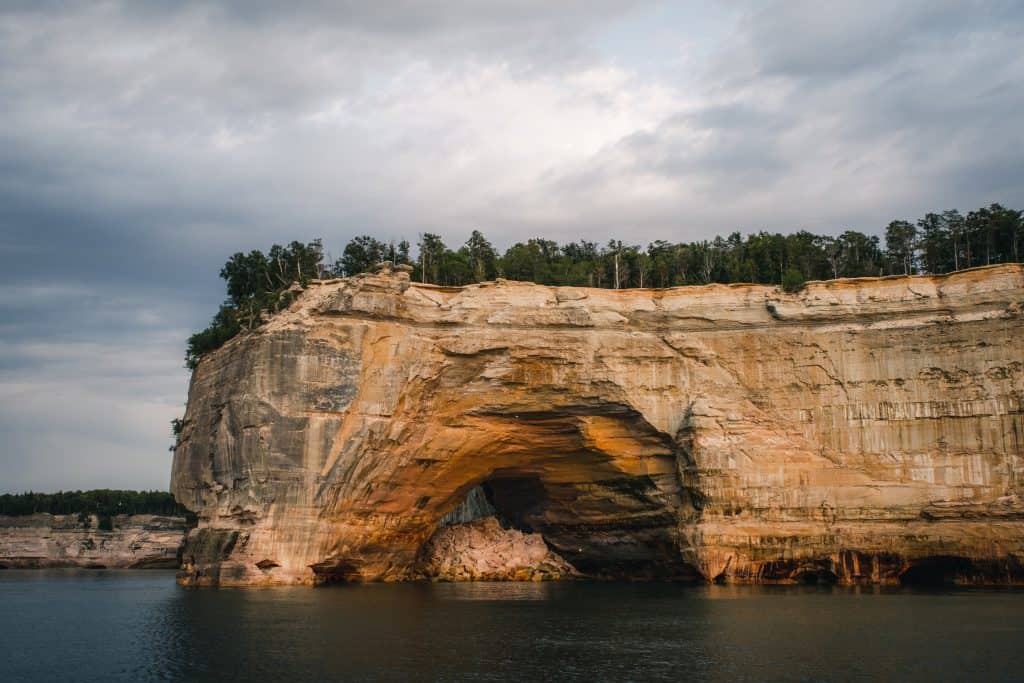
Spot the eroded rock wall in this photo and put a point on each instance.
(135, 541)
(856, 429)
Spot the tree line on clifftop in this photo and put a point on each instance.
(261, 283)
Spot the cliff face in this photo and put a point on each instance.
(136, 541)
(860, 430)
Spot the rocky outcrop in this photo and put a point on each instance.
(483, 550)
(864, 430)
(133, 541)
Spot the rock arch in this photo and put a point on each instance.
(734, 432)
(600, 485)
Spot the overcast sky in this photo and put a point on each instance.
(141, 145)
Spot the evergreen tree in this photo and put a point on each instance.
(482, 258)
(956, 228)
(832, 249)
(935, 244)
(860, 254)
(900, 245)
(402, 254)
(978, 226)
(361, 255)
(432, 257)
(1006, 231)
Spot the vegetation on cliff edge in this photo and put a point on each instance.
(259, 284)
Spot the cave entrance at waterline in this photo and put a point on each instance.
(941, 570)
(618, 527)
(597, 482)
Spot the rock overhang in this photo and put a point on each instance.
(760, 433)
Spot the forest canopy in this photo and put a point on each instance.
(259, 284)
(104, 503)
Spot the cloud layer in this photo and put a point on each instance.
(143, 145)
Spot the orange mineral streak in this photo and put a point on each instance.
(859, 430)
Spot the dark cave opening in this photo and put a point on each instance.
(608, 528)
(816, 577)
(935, 571)
(518, 501)
(598, 483)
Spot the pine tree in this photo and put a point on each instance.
(900, 244)
(481, 256)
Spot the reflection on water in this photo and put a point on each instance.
(140, 626)
(493, 591)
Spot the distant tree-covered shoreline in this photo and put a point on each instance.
(260, 284)
(104, 503)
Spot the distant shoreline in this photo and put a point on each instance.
(45, 541)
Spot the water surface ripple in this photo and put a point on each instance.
(140, 626)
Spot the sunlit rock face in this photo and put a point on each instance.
(860, 430)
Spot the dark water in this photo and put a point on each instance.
(140, 626)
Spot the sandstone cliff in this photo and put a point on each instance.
(859, 430)
(135, 541)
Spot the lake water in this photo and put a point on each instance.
(140, 626)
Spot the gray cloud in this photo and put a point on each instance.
(145, 142)
(825, 116)
(813, 40)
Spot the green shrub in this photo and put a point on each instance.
(223, 327)
(793, 280)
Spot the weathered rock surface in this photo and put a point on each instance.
(136, 541)
(859, 430)
(482, 550)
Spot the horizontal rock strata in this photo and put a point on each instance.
(134, 541)
(862, 431)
